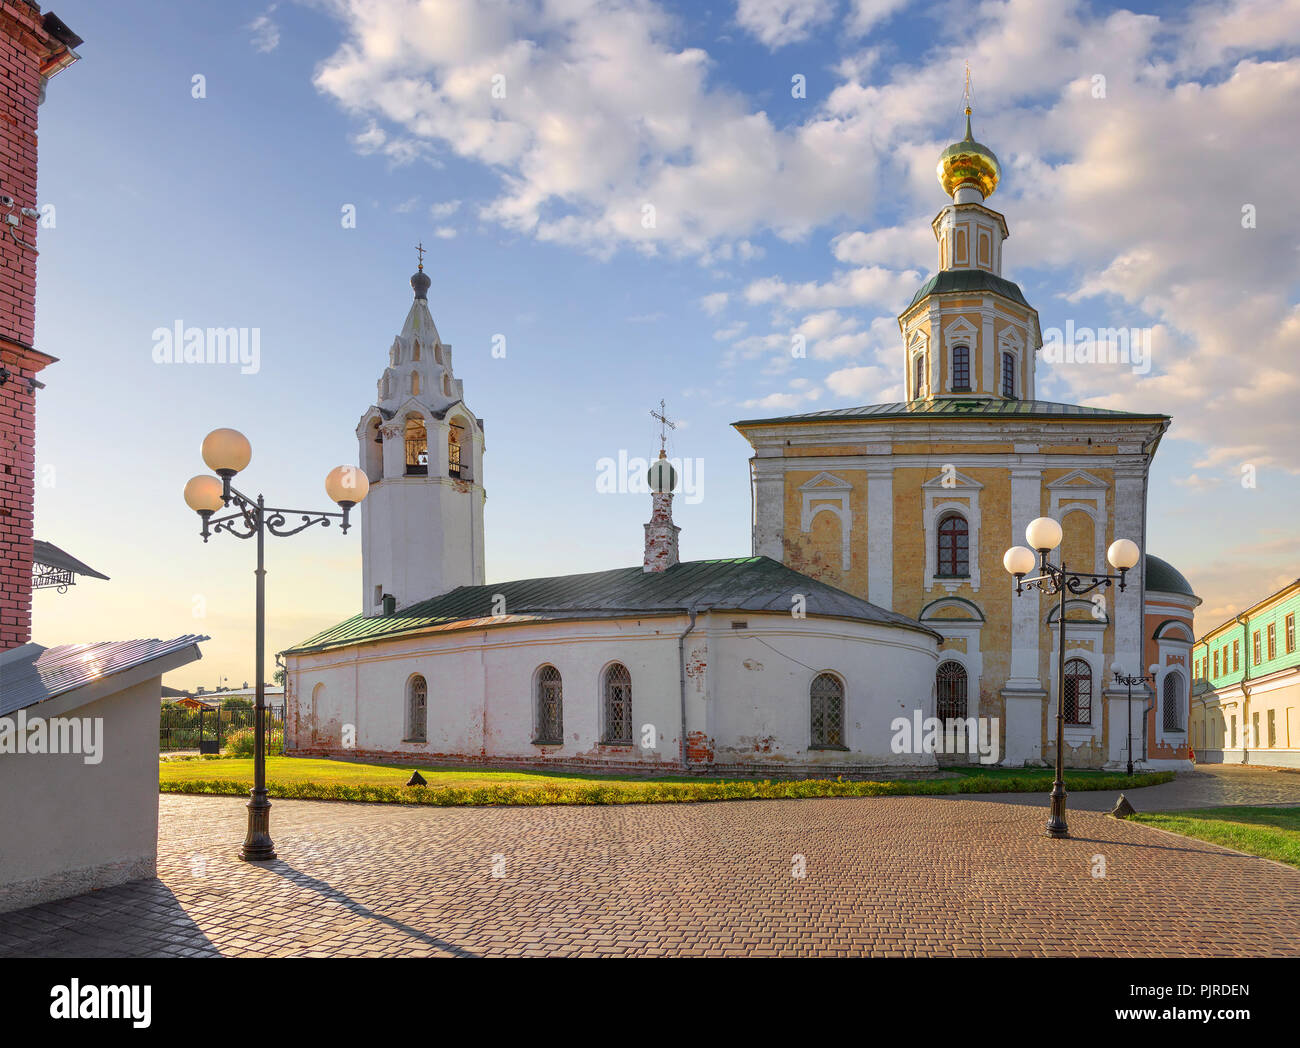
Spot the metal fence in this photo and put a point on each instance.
(205, 730)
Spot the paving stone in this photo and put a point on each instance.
(891, 876)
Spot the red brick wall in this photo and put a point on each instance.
(24, 45)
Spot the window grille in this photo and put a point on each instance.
(961, 369)
(618, 706)
(954, 546)
(1008, 375)
(1078, 692)
(550, 706)
(827, 700)
(951, 691)
(1173, 702)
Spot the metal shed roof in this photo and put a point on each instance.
(32, 674)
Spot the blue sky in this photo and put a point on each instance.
(774, 214)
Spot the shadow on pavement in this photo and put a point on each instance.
(328, 891)
(138, 919)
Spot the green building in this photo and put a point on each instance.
(1246, 686)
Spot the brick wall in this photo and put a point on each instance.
(25, 49)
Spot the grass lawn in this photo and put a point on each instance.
(1273, 833)
(318, 779)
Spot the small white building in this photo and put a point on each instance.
(704, 666)
(79, 765)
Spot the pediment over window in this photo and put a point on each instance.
(955, 480)
(827, 482)
(1079, 479)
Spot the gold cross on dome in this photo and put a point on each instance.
(665, 424)
(420, 250)
(966, 93)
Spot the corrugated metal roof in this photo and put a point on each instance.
(947, 408)
(32, 674)
(740, 584)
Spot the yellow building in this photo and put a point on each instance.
(911, 505)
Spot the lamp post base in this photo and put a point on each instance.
(258, 846)
(1057, 829)
(1056, 826)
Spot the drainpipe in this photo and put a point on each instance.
(1247, 652)
(681, 663)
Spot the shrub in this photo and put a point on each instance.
(243, 741)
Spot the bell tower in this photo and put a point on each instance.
(422, 451)
(969, 334)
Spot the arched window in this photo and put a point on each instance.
(827, 701)
(456, 464)
(954, 546)
(618, 706)
(317, 695)
(415, 350)
(415, 383)
(1172, 700)
(550, 706)
(417, 447)
(417, 709)
(961, 369)
(1078, 692)
(1008, 375)
(920, 375)
(950, 691)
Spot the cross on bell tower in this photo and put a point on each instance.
(661, 533)
(665, 424)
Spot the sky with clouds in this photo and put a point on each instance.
(646, 200)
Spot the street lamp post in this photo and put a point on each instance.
(226, 452)
(1043, 535)
(1129, 681)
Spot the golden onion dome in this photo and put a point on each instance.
(968, 163)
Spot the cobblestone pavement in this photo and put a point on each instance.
(885, 876)
(1209, 786)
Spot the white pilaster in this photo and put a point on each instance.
(880, 537)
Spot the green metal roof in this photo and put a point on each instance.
(741, 584)
(968, 280)
(949, 407)
(1165, 578)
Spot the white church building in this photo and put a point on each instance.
(706, 666)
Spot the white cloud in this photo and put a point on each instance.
(864, 384)
(782, 401)
(780, 22)
(867, 14)
(444, 209)
(715, 303)
(266, 34)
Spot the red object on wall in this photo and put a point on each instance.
(32, 48)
